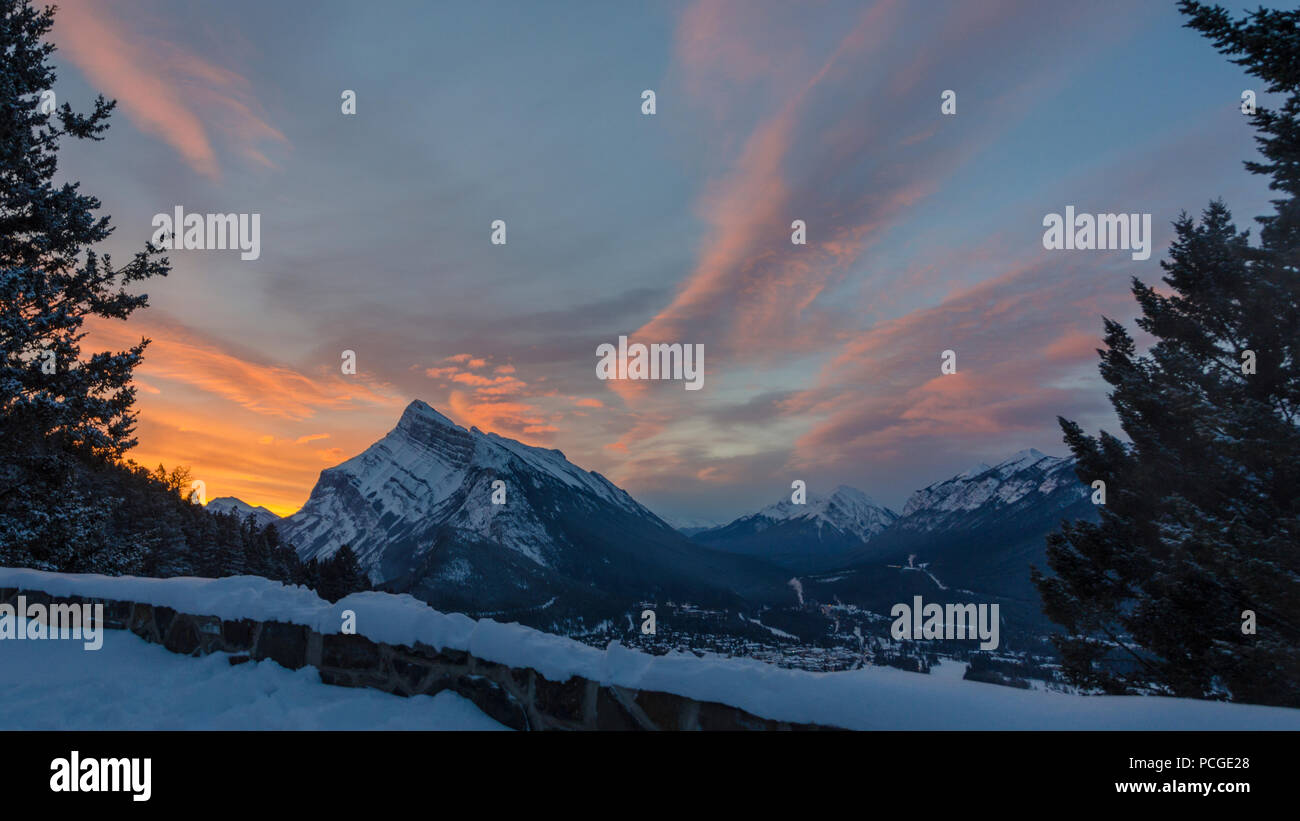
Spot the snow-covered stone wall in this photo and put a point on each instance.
(201, 616)
(526, 678)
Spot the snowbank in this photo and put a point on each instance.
(130, 684)
(873, 698)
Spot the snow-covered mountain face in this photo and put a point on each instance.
(475, 521)
(794, 534)
(974, 536)
(430, 472)
(1029, 480)
(983, 529)
(846, 510)
(227, 504)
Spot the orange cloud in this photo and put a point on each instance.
(515, 419)
(213, 441)
(471, 379)
(212, 405)
(176, 355)
(501, 403)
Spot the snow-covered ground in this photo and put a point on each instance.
(130, 684)
(875, 698)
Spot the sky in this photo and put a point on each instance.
(821, 361)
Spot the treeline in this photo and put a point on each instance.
(68, 500)
(123, 519)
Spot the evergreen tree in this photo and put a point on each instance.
(352, 578)
(1202, 514)
(341, 575)
(59, 409)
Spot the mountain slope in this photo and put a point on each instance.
(417, 508)
(804, 536)
(1028, 482)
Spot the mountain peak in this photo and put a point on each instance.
(421, 411)
(476, 521)
(1028, 456)
(228, 504)
(818, 502)
(840, 521)
(430, 476)
(845, 507)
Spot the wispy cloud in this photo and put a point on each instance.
(1005, 394)
(167, 91)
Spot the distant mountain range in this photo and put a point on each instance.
(806, 535)
(976, 534)
(481, 523)
(985, 525)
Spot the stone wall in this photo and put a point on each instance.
(520, 698)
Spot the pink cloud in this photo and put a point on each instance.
(1074, 346)
(1017, 337)
(501, 402)
(168, 92)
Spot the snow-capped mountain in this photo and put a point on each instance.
(972, 537)
(846, 509)
(982, 529)
(793, 534)
(227, 504)
(475, 521)
(429, 469)
(1029, 480)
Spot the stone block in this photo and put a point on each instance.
(285, 644)
(238, 636)
(349, 652)
(493, 700)
(183, 636)
(564, 700)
